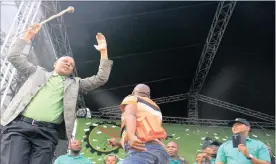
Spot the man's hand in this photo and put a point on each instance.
(31, 32)
(202, 158)
(242, 148)
(113, 142)
(102, 46)
(136, 144)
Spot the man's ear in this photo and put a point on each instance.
(55, 64)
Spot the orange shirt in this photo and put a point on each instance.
(145, 106)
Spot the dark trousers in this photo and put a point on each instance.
(23, 143)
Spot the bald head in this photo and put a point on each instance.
(64, 66)
(141, 90)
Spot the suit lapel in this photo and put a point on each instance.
(67, 83)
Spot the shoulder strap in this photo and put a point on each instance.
(144, 102)
(148, 104)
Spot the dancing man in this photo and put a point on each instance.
(45, 101)
(142, 131)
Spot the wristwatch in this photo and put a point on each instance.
(250, 157)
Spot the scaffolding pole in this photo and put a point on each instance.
(218, 27)
(25, 16)
(160, 100)
(180, 97)
(236, 108)
(187, 121)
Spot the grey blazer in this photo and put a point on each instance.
(37, 78)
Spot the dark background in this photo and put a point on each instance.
(160, 43)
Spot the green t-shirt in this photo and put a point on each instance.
(228, 154)
(47, 104)
(69, 159)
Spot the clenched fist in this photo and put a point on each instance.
(31, 32)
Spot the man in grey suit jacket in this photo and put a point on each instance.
(46, 99)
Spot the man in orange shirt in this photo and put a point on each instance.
(142, 131)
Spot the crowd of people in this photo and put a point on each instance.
(47, 100)
(213, 152)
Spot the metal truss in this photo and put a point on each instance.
(2, 37)
(219, 24)
(59, 37)
(57, 30)
(25, 16)
(236, 108)
(160, 100)
(113, 111)
(186, 121)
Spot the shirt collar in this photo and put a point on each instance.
(248, 138)
(56, 74)
(178, 158)
(78, 156)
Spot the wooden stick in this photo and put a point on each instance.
(69, 10)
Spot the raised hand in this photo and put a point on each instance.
(102, 46)
(31, 32)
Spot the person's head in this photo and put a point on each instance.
(64, 66)
(75, 146)
(141, 90)
(211, 150)
(172, 149)
(240, 126)
(111, 159)
(200, 156)
(210, 147)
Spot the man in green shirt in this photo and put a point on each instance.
(252, 152)
(31, 122)
(172, 149)
(74, 157)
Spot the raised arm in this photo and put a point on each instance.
(15, 56)
(102, 76)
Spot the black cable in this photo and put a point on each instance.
(143, 53)
(143, 13)
(131, 85)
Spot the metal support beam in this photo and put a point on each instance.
(160, 100)
(236, 108)
(26, 15)
(187, 121)
(219, 24)
(59, 37)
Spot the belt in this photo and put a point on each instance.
(38, 123)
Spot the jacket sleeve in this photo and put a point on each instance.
(99, 79)
(18, 60)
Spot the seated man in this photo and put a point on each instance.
(142, 131)
(172, 149)
(74, 156)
